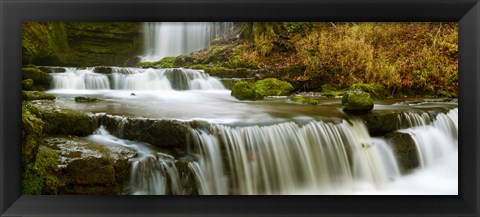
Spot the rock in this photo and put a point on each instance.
(188, 179)
(32, 134)
(85, 99)
(27, 84)
(405, 150)
(273, 87)
(357, 101)
(380, 122)
(50, 69)
(67, 121)
(243, 90)
(36, 95)
(303, 100)
(39, 78)
(103, 70)
(107, 166)
(161, 133)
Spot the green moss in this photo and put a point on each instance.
(27, 84)
(38, 77)
(330, 91)
(183, 61)
(243, 90)
(66, 121)
(303, 99)
(216, 70)
(36, 95)
(357, 100)
(32, 133)
(273, 87)
(32, 182)
(198, 66)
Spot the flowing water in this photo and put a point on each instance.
(175, 38)
(265, 147)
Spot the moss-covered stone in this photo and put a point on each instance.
(382, 121)
(86, 99)
(38, 77)
(243, 90)
(67, 121)
(27, 84)
(303, 100)
(273, 87)
(36, 95)
(32, 133)
(83, 167)
(103, 70)
(357, 101)
(161, 133)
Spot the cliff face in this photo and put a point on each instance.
(80, 44)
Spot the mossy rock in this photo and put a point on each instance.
(357, 101)
(103, 70)
(86, 99)
(32, 133)
(382, 121)
(67, 121)
(89, 168)
(273, 87)
(27, 84)
(303, 100)
(160, 133)
(39, 77)
(36, 95)
(243, 90)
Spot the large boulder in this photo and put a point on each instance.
(161, 133)
(273, 87)
(405, 150)
(357, 101)
(243, 90)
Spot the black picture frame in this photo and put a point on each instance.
(14, 12)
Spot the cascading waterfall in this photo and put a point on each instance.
(80, 79)
(175, 38)
(135, 79)
(286, 158)
(437, 140)
(283, 158)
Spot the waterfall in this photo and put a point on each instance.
(135, 79)
(283, 158)
(175, 38)
(437, 140)
(79, 79)
(286, 158)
